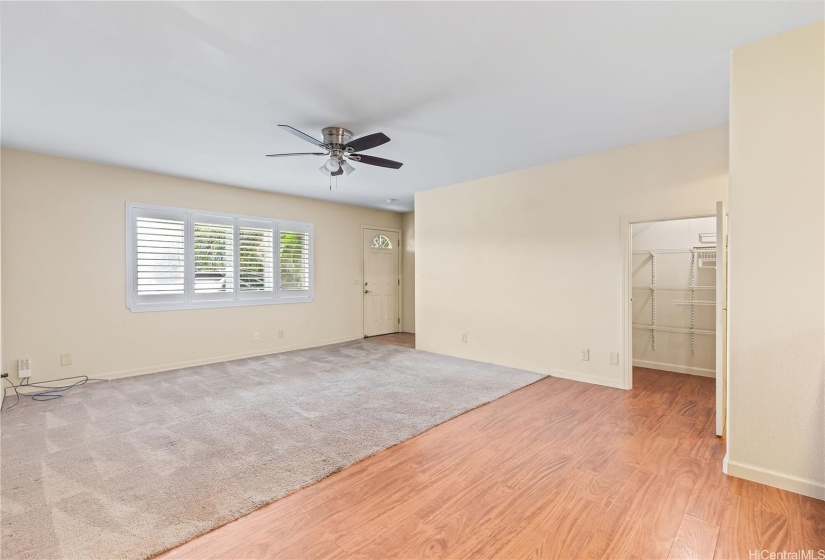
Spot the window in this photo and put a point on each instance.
(179, 259)
(294, 261)
(159, 255)
(381, 242)
(256, 259)
(214, 262)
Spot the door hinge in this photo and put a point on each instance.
(399, 320)
(399, 281)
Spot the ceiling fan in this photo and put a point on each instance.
(340, 148)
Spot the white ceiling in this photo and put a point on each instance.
(464, 89)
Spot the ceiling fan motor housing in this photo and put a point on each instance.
(336, 135)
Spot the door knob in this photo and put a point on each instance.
(367, 292)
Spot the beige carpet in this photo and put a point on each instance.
(129, 468)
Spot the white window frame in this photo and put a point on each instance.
(189, 246)
(159, 213)
(237, 298)
(276, 279)
(298, 227)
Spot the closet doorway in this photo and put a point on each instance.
(676, 309)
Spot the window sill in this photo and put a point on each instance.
(181, 305)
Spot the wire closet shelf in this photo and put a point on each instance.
(700, 257)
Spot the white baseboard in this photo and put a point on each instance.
(704, 372)
(783, 481)
(201, 362)
(587, 378)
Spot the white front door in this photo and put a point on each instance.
(721, 316)
(381, 282)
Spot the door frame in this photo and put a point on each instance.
(627, 277)
(400, 274)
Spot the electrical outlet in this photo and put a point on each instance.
(614, 358)
(65, 359)
(24, 367)
(255, 335)
(464, 337)
(280, 334)
(586, 355)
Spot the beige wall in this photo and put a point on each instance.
(64, 285)
(673, 349)
(529, 263)
(408, 271)
(777, 320)
(3, 385)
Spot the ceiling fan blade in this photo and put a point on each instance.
(301, 135)
(298, 154)
(380, 162)
(367, 142)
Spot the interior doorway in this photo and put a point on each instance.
(674, 295)
(676, 298)
(382, 281)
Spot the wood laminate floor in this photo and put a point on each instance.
(407, 340)
(558, 469)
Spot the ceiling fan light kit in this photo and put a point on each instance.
(340, 149)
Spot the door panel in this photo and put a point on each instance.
(381, 282)
(721, 316)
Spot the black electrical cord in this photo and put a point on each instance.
(47, 392)
(52, 392)
(5, 376)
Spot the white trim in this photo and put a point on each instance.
(587, 378)
(207, 304)
(627, 275)
(675, 368)
(238, 299)
(783, 481)
(627, 307)
(722, 346)
(400, 275)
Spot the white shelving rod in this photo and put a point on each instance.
(676, 288)
(663, 328)
(707, 250)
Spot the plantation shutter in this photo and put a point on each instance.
(213, 257)
(256, 259)
(179, 259)
(159, 258)
(294, 260)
